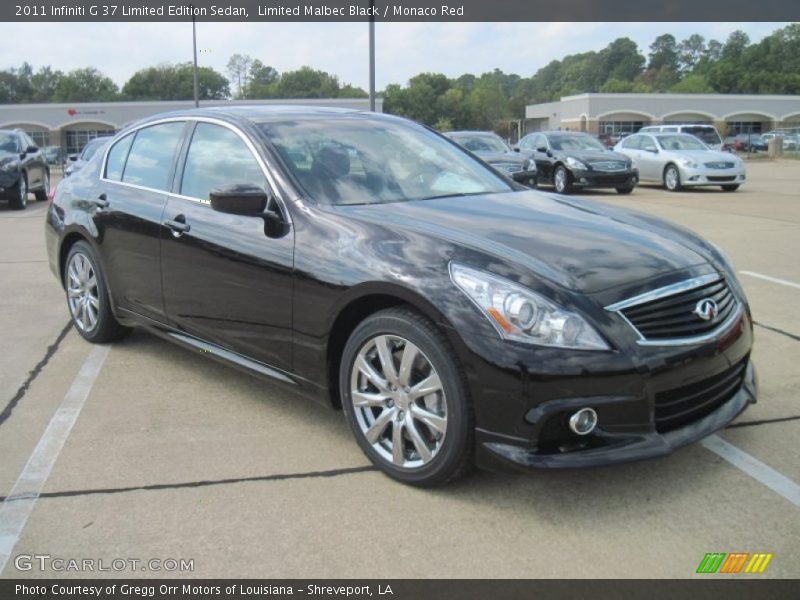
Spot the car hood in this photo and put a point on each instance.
(502, 157)
(703, 156)
(576, 244)
(593, 156)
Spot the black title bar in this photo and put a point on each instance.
(400, 10)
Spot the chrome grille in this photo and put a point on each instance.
(510, 167)
(608, 165)
(719, 165)
(675, 312)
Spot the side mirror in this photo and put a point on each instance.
(73, 157)
(239, 199)
(516, 149)
(651, 149)
(31, 149)
(542, 149)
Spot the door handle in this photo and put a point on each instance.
(178, 225)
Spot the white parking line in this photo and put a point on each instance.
(772, 279)
(762, 473)
(20, 502)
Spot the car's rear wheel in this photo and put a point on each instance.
(18, 194)
(730, 188)
(42, 193)
(672, 178)
(624, 190)
(562, 180)
(406, 399)
(87, 297)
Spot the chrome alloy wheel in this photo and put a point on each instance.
(672, 178)
(23, 191)
(398, 401)
(84, 303)
(561, 179)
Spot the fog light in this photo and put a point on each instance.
(584, 421)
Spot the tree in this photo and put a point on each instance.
(664, 53)
(176, 82)
(263, 79)
(85, 85)
(736, 44)
(238, 68)
(620, 60)
(306, 82)
(692, 84)
(690, 51)
(616, 86)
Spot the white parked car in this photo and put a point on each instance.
(679, 160)
(707, 134)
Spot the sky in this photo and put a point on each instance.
(402, 49)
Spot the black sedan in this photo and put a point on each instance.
(367, 262)
(23, 169)
(493, 149)
(568, 160)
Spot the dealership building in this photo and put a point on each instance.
(70, 126)
(627, 113)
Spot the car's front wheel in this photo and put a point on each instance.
(562, 180)
(41, 193)
(406, 399)
(672, 178)
(18, 194)
(87, 296)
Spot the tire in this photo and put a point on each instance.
(562, 180)
(42, 193)
(730, 188)
(624, 190)
(18, 194)
(436, 430)
(89, 305)
(672, 178)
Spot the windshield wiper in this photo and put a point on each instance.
(456, 195)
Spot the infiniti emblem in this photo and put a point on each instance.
(706, 309)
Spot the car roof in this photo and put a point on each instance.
(466, 133)
(562, 133)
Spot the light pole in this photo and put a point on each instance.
(194, 51)
(371, 57)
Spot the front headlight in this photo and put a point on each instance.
(530, 165)
(522, 315)
(687, 162)
(575, 163)
(10, 165)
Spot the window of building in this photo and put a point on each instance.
(617, 127)
(78, 138)
(40, 138)
(736, 127)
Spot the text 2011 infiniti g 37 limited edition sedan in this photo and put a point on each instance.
(365, 261)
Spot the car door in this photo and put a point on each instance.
(650, 159)
(127, 208)
(544, 160)
(631, 147)
(32, 162)
(227, 278)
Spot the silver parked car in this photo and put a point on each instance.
(679, 160)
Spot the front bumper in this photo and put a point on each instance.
(604, 179)
(650, 400)
(705, 176)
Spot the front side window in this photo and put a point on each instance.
(117, 156)
(149, 162)
(633, 143)
(363, 160)
(217, 156)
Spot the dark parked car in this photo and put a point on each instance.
(493, 149)
(568, 160)
(78, 161)
(369, 263)
(23, 169)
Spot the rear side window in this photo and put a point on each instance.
(117, 156)
(151, 156)
(218, 156)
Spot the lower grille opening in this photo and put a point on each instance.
(681, 406)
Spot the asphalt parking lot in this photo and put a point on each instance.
(173, 456)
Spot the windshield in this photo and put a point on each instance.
(481, 143)
(348, 160)
(91, 149)
(574, 142)
(8, 142)
(707, 135)
(680, 142)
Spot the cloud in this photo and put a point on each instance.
(402, 49)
